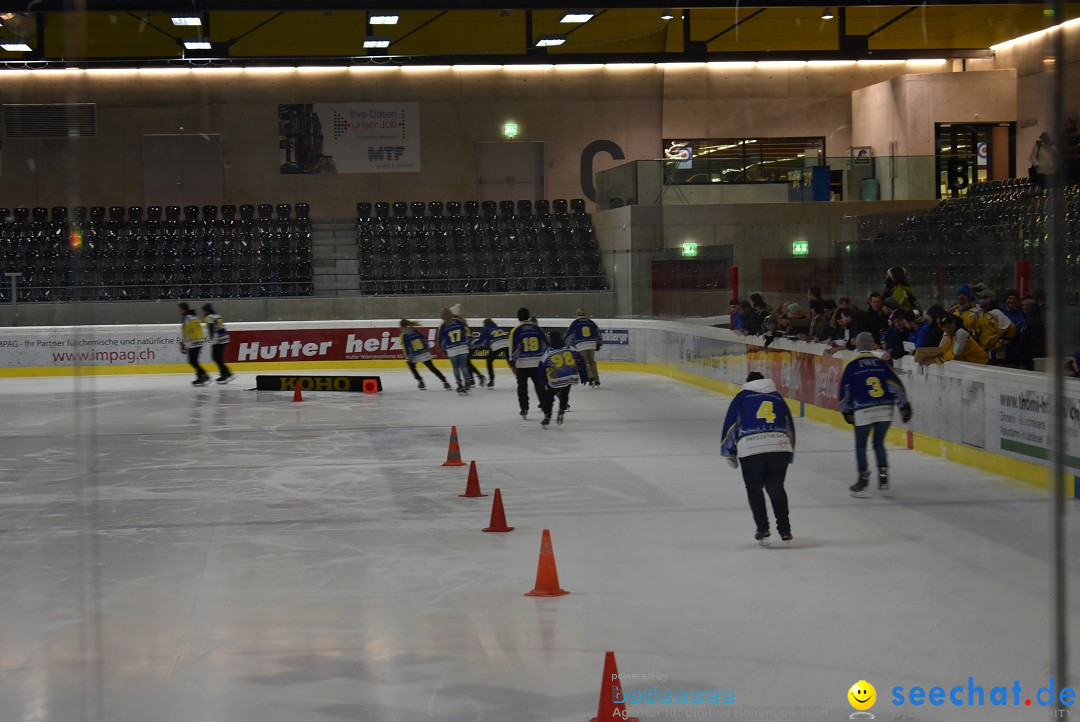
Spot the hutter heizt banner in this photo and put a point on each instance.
(349, 137)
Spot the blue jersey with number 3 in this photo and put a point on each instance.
(868, 381)
(561, 367)
(758, 421)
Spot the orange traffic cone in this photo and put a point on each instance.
(453, 454)
(297, 396)
(611, 696)
(370, 386)
(547, 576)
(472, 486)
(498, 516)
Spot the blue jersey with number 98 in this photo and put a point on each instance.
(560, 367)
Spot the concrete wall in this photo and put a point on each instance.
(896, 118)
(566, 108)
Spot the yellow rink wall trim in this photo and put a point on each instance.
(1024, 471)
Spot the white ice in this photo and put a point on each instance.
(173, 554)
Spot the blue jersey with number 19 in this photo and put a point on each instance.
(758, 421)
(527, 345)
(561, 367)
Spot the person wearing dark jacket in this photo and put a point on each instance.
(759, 435)
(1032, 339)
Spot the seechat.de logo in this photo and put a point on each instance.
(862, 696)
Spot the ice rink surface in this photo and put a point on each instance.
(173, 554)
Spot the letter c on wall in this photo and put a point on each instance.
(588, 188)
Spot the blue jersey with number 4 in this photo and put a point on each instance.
(758, 421)
(560, 367)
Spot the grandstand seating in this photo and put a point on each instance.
(119, 255)
(493, 248)
(976, 237)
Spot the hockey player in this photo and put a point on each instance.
(219, 341)
(495, 340)
(191, 342)
(584, 336)
(527, 346)
(416, 350)
(759, 434)
(453, 339)
(868, 391)
(559, 369)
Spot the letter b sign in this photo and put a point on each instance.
(958, 173)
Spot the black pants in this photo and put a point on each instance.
(548, 396)
(492, 355)
(523, 376)
(218, 352)
(193, 359)
(431, 368)
(764, 473)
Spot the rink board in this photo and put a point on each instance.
(290, 382)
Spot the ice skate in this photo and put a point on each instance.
(462, 389)
(883, 480)
(525, 414)
(546, 422)
(762, 537)
(491, 382)
(446, 385)
(559, 418)
(421, 386)
(786, 536)
(226, 378)
(858, 489)
(201, 381)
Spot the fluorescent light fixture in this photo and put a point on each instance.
(1034, 35)
(376, 41)
(383, 18)
(15, 46)
(200, 44)
(186, 20)
(577, 16)
(666, 15)
(827, 14)
(548, 41)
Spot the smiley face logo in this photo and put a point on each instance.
(862, 695)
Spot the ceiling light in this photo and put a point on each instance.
(577, 16)
(547, 41)
(666, 15)
(827, 14)
(383, 19)
(15, 46)
(186, 20)
(200, 44)
(376, 41)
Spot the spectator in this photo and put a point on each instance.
(760, 310)
(1072, 366)
(897, 287)
(1012, 307)
(877, 318)
(819, 320)
(813, 294)
(847, 331)
(747, 313)
(828, 325)
(928, 333)
(959, 344)
(795, 322)
(994, 329)
(1032, 339)
(736, 321)
(1044, 160)
(901, 325)
(965, 308)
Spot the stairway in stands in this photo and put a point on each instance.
(334, 258)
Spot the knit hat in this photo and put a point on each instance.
(794, 308)
(965, 290)
(864, 341)
(987, 293)
(892, 303)
(456, 309)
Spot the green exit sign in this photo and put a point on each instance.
(689, 249)
(800, 248)
(510, 130)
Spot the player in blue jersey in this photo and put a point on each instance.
(453, 339)
(527, 346)
(584, 335)
(560, 368)
(496, 340)
(868, 391)
(218, 338)
(759, 434)
(416, 350)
